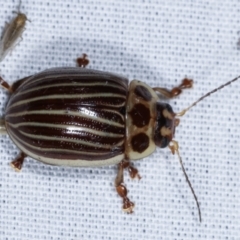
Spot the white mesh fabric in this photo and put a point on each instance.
(158, 42)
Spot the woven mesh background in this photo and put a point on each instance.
(158, 42)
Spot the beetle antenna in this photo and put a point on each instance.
(206, 95)
(174, 148)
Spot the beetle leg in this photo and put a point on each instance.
(15, 85)
(2, 127)
(186, 83)
(83, 61)
(5, 85)
(18, 162)
(122, 190)
(133, 172)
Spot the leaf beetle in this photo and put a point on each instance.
(87, 118)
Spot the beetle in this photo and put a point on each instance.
(12, 33)
(88, 118)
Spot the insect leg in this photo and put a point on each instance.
(186, 83)
(133, 172)
(2, 127)
(122, 190)
(18, 162)
(83, 61)
(5, 85)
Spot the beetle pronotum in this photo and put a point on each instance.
(79, 117)
(11, 34)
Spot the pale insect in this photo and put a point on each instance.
(12, 33)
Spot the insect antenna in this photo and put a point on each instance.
(206, 95)
(174, 145)
(19, 7)
(174, 148)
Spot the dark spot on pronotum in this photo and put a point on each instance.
(140, 142)
(143, 92)
(140, 115)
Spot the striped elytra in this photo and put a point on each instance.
(69, 116)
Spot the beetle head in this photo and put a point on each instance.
(165, 125)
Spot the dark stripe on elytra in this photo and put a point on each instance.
(108, 102)
(58, 144)
(39, 82)
(63, 154)
(69, 134)
(80, 77)
(116, 115)
(69, 90)
(67, 120)
(73, 134)
(66, 155)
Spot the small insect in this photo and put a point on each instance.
(12, 33)
(87, 118)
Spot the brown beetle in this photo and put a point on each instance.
(80, 117)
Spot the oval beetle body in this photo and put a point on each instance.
(81, 117)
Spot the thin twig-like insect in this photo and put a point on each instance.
(12, 33)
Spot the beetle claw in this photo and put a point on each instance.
(128, 205)
(133, 172)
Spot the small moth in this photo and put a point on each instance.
(12, 33)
